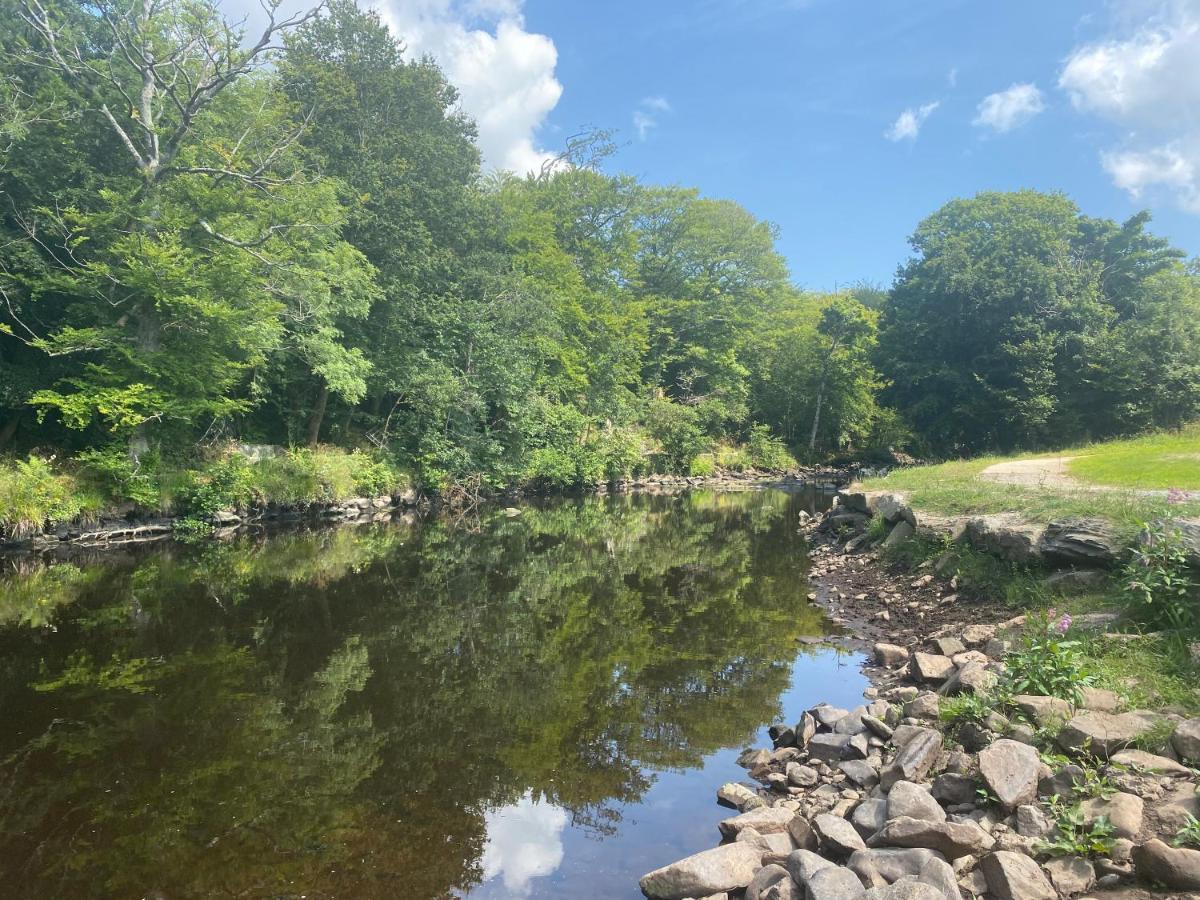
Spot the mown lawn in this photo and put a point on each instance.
(1158, 461)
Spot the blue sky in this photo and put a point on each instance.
(844, 122)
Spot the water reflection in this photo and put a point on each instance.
(388, 711)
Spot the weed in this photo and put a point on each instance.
(1046, 662)
(1072, 836)
(1189, 834)
(1157, 579)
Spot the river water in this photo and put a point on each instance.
(531, 706)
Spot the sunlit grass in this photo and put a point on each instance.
(1156, 461)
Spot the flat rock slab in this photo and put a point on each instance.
(951, 839)
(1010, 769)
(1149, 762)
(1103, 734)
(1124, 811)
(930, 668)
(837, 836)
(914, 760)
(1014, 876)
(1044, 710)
(1175, 867)
(729, 867)
(765, 820)
(907, 800)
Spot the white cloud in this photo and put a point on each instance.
(645, 117)
(952, 77)
(908, 124)
(1147, 80)
(504, 74)
(1005, 110)
(524, 842)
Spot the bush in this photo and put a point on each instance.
(119, 478)
(768, 452)
(33, 495)
(1046, 662)
(224, 484)
(323, 475)
(677, 430)
(703, 465)
(622, 452)
(731, 458)
(1157, 579)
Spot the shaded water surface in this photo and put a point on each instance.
(541, 706)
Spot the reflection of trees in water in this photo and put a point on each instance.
(335, 713)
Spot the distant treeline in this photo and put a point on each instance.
(207, 239)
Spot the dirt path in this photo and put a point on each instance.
(1047, 471)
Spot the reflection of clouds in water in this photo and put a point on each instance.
(524, 842)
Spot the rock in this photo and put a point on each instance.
(225, 518)
(997, 723)
(763, 879)
(1103, 734)
(949, 646)
(973, 737)
(900, 533)
(1186, 740)
(1007, 536)
(1013, 876)
(739, 797)
(974, 883)
(1071, 581)
(905, 733)
(801, 776)
(978, 635)
(1071, 875)
(803, 864)
(940, 876)
(972, 678)
(729, 867)
(904, 890)
(907, 800)
(890, 655)
(858, 747)
(1124, 811)
(892, 507)
(805, 729)
(952, 839)
(878, 727)
(802, 833)
(914, 760)
(1061, 783)
(835, 883)
(751, 758)
(852, 722)
(952, 788)
(1100, 700)
(828, 715)
(1043, 710)
(1032, 822)
(1010, 770)
(782, 735)
(969, 656)
(1176, 868)
(890, 864)
(828, 747)
(869, 816)
(1149, 762)
(784, 889)
(930, 668)
(1081, 542)
(925, 706)
(764, 820)
(770, 846)
(860, 772)
(836, 836)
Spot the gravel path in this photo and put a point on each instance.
(1047, 471)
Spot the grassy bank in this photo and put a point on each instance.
(1112, 475)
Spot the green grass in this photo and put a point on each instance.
(1154, 462)
(33, 494)
(956, 488)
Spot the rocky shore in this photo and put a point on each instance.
(1032, 798)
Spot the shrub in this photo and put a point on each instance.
(768, 452)
(33, 495)
(226, 483)
(622, 452)
(703, 465)
(1189, 834)
(322, 475)
(732, 458)
(1157, 579)
(1046, 662)
(1072, 836)
(677, 430)
(120, 478)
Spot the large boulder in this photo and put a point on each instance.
(951, 839)
(803, 864)
(939, 875)
(829, 747)
(914, 759)
(729, 867)
(738, 796)
(869, 816)
(907, 800)
(764, 820)
(1103, 734)
(763, 879)
(1043, 710)
(835, 883)
(1186, 740)
(1010, 769)
(890, 655)
(1071, 875)
(1007, 536)
(1014, 876)
(930, 668)
(889, 863)
(1176, 868)
(900, 533)
(1149, 762)
(837, 836)
(1124, 811)
(1081, 542)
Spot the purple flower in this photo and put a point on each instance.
(1064, 623)
(1178, 495)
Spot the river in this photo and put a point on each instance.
(539, 705)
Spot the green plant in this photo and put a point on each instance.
(120, 478)
(768, 452)
(1189, 834)
(1047, 662)
(33, 494)
(1094, 783)
(1157, 738)
(702, 466)
(965, 709)
(1158, 581)
(1073, 836)
(224, 484)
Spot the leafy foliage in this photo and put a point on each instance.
(1046, 661)
(1073, 836)
(1158, 581)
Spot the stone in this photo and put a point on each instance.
(892, 507)
(939, 875)
(836, 836)
(949, 646)
(954, 787)
(900, 533)
(800, 775)
(1081, 542)
(828, 747)
(751, 758)
(905, 733)
(914, 760)
(951, 839)
(925, 706)
(802, 833)
(805, 729)
(1006, 535)
(997, 723)
(860, 772)
(1103, 734)
(739, 797)
(1124, 811)
(1043, 710)
(904, 890)
(763, 879)
(851, 723)
(1032, 822)
(890, 655)
(835, 883)
(729, 867)
(1010, 770)
(1174, 867)
(764, 820)
(890, 864)
(1014, 876)
(1062, 783)
(1149, 762)
(803, 864)
(1186, 740)
(869, 816)
(770, 846)
(972, 678)
(1071, 875)
(784, 889)
(978, 635)
(858, 747)
(930, 668)
(878, 727)
(906, 799)
(969, 656)
(828, 715)
(1100, 700)
(782, 735)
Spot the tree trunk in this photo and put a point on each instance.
(317, 416)
(812, 438)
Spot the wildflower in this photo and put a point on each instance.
(1064, 623)
(1178, 495)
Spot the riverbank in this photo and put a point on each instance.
(995, 755)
